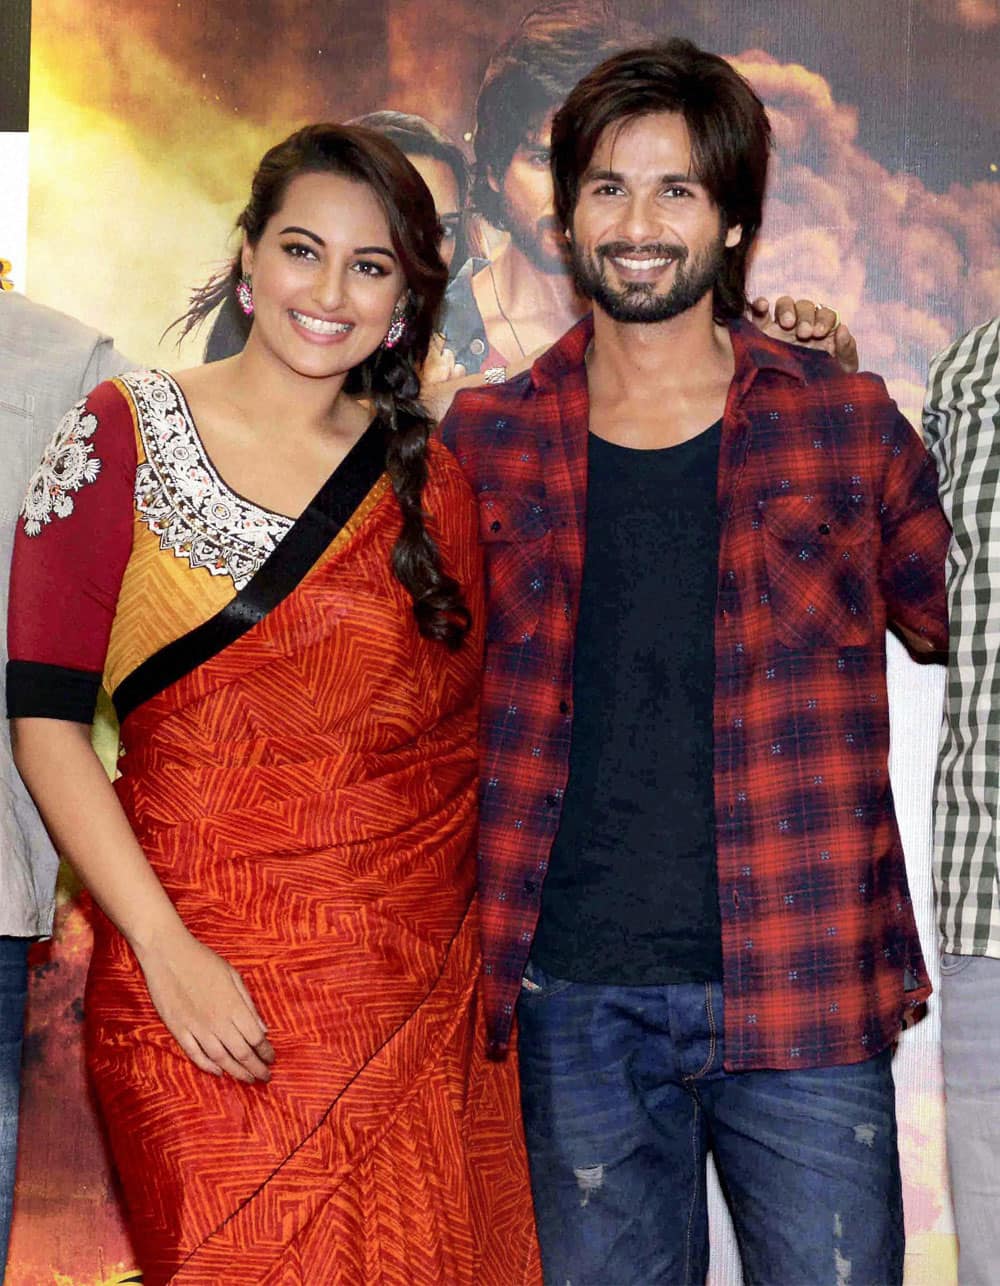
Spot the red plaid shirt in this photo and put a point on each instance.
(830, 527)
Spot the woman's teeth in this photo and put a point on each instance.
(318, 326)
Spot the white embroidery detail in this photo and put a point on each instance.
(68, 464)
(181, 498)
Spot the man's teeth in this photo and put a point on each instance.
(639, 265)
(320, 327)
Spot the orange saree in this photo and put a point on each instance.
(300, 769)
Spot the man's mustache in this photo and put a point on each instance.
(649, 250)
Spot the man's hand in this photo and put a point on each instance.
(206, 1008)
(800, 321)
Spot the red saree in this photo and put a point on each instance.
(300, 770)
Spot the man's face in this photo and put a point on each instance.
(525, 193)
(647, 240)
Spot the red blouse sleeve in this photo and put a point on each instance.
(73, 542)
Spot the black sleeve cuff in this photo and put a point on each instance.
(36, 690)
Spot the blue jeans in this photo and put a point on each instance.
(624, 1094)
(13, 993)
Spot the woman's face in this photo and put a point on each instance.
(440, 179)
(325, 276)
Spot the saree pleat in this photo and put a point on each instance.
(307, 797)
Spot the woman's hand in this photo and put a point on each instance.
(206, 1007)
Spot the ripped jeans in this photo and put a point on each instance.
(624, 1093)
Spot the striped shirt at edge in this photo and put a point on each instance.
(962, 429)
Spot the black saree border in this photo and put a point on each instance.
(312, 533)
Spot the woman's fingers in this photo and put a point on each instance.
(252, 1036)
(214, 1049)
(196, 1054)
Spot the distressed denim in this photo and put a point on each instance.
(970, 1046)
(13, 993)
(624, 1094)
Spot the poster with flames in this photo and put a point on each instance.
(146, 121)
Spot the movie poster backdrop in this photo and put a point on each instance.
(146, 122)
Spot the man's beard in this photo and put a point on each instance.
(639, 301)
(542, 245)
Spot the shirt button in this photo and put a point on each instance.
(495, 525)
(530, 886)
(477, 347)
(824, 529)
(551, 800)
(564, 707)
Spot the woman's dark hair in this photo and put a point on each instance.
(417, 136)
(726, 121)
(389, 376)
(528, 76)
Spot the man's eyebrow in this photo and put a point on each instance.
(615, 176)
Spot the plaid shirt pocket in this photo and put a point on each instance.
(516, 534)
(819, 551)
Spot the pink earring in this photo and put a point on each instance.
(244, 293)
(397, 328)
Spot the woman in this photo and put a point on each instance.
(440, 164)
(274, 574)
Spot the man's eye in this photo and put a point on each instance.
(607, 189)
(674, 190)
(449, 229)
(540, 159)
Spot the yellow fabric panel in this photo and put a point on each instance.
(162, 596)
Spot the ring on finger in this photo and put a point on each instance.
(836, 316)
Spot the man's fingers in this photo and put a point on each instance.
(825, 322)
(784, 312)
(846, 350)
(805, 316)
(760, 307)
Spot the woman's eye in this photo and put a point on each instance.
(449, 229)
(298, 250)
(369, 269)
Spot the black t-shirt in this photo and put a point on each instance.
(631, 895)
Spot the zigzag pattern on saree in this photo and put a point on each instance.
(307, 796)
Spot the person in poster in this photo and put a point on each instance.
(693, 885)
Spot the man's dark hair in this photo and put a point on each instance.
(529, 75)
(726, 121)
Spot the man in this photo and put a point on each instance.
(690, 867)
(502, 311)
(47, 362)
(962, 429)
